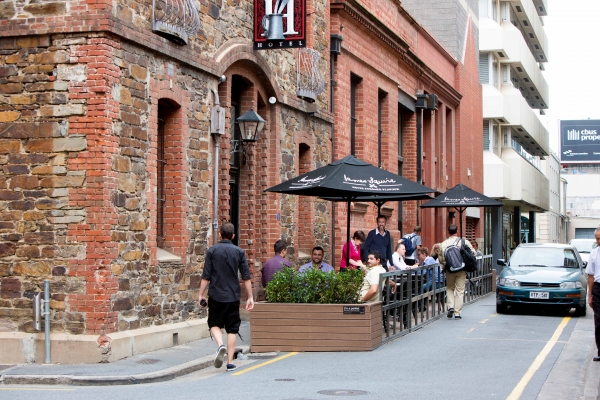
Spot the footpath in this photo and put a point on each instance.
(156, 366)
(573, 376)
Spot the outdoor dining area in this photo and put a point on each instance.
(409, 301)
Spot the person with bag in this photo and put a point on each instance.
(412, 242)
(451, 259)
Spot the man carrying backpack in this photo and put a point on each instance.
(455, 281)
(412, 242)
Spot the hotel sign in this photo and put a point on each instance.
(580, 141)
(279, 24)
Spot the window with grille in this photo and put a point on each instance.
(484, 68)
(470, 227)
(486, 135)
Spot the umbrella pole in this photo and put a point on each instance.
(348, 236)
(460, 212)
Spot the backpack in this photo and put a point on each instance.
(453, 257)
(469, 259)
(408, 244)
(460, 257)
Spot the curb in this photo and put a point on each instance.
(162, 375)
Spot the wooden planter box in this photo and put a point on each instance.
(315, 327)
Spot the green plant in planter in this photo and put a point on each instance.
(314, 286)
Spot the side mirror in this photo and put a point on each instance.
(501, 262)
(585, 264)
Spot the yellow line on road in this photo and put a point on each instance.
(537, 363)
(470, 330)
(265, 363)
(484, 321)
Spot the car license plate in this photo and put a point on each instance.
(539, 295)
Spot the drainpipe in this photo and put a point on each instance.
(419, 154)
(217, 128)
(335, 50)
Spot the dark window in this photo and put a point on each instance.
(160, 184)
(354, 82)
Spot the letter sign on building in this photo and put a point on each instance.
(580, 141)
(279, 24)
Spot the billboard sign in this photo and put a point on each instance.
(279, 24)
(580, 141)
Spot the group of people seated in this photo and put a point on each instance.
(373, 254)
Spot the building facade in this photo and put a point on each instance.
(113, 186)
(582, 204)
(513, 49)
(551, 225)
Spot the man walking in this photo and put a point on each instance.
(275, 263)
(379, 240)
(593, 271)
(415, 237)
(223, 263)
(454, 280)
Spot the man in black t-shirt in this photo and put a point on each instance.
(223, 263)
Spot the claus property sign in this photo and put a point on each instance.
(279, 24)
(580, 141)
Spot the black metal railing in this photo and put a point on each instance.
(417, 296)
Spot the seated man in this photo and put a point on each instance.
(317, 261)
(370, 288)
(277, 262)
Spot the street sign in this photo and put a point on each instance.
(279, 24)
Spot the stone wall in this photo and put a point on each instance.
(79, 110)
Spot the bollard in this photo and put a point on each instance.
(47, 318)
(37, 311)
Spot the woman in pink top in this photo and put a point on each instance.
(354, 244)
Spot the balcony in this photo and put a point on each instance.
(508, 108)
(529, 21)
(541, 7)
(507, 43)
(515, 181)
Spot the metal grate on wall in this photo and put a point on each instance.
(470, 229)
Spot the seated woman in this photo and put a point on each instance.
(354, 244)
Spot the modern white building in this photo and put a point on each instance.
(583, 199)
(513, 49)
(551, 226)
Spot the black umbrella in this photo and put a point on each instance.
(380, 200)
(460, 197)
(351, 179)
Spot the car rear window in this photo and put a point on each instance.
(583, 245)
(544, 257)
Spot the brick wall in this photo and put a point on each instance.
(82, 87)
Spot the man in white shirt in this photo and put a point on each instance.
(593, 271)
(398, 258)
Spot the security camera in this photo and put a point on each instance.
(223, 78)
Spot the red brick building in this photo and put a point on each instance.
(108, 163)
(387, 59)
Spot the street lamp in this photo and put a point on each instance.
(251, 125)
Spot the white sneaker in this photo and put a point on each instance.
(221, 351)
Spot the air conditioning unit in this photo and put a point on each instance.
(432, 102)
(421, 101)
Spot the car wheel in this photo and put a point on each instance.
(580, 311)
(501, 308)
